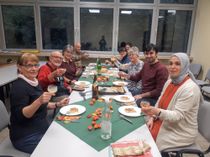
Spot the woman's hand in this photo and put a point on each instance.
(45, 97)
(150, 123)
(63, 102)
(150, 110)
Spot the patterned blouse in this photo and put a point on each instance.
(133, 69)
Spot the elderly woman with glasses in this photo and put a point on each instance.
(72, 72)
(173, 121)
(132, 68)
(29, 105)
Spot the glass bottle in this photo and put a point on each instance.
(106, 124)
(98, 65)
(95, 88)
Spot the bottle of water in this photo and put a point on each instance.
(106, 124)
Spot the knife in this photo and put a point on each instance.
(128, 120)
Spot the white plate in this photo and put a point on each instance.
(65, 110)
(82, 83)
(92, 64)
(124, 98)
(120, 83)
(123, 111)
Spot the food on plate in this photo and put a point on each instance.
(121, 84)
(104, 70)
(130, 110)
(102, 78)
(124, 98)
(79, 88)
(73, 110)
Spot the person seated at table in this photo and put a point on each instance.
(51, 73)
(123, 59)
(128, 46)
(173, 121)
(29, 105)
(134, 67)
(78, 55)
(72, 72)
(153, 76)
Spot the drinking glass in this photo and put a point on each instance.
(52, 89)
(144, 103)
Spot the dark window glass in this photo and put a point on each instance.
(137, 1)
(173, 30)
(96, 27)
(135, 27)
(57, 27)
(19, 26)
(177, 1)
(97, 0)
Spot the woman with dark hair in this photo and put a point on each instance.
(29, 105)
(173, 121)
(72, 72)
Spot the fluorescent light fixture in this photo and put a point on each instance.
(94, 11)
(126, 12)
(173, 12)
(160, 17)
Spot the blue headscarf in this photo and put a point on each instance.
(185, 64)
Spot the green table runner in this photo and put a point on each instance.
(120, 127)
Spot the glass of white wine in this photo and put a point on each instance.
(144, 104)
(52, 89)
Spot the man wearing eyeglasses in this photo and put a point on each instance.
(153, 75)
(50, 73)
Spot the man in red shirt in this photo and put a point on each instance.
(153, 75)
(50, 73)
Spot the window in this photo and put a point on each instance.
(173, 30)
(97, 0)
(178, 1)
(57, 27)
(137, 1)
(19, 26)
(99, 25)
(135, 27)
(96, 25)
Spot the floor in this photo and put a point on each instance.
(200, 140)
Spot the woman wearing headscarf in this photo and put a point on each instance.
(173, 120)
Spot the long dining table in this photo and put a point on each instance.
(60, 140)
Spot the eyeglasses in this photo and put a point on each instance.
(29, 66)
(57, 57)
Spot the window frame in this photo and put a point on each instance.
(116, 6)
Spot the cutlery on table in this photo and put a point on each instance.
(128, 120)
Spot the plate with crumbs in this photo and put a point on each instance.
(72, 110)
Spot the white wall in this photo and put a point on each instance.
(201, 37)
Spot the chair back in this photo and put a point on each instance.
(4, 116)
(208, 76)
(195, 69)
(203, 120)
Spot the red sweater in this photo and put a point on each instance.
(44, 71)
(153, 78)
